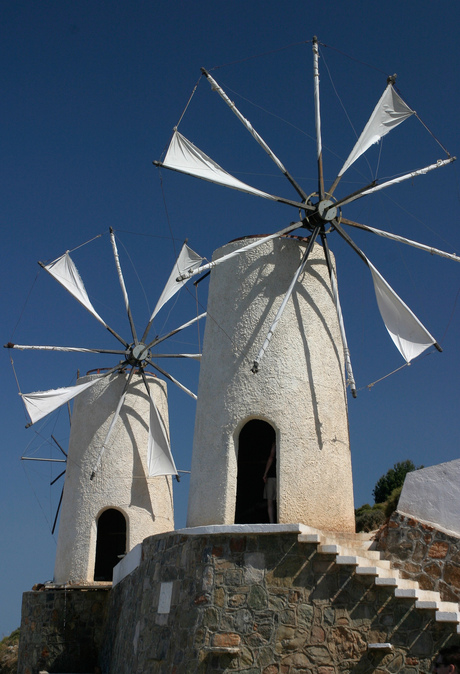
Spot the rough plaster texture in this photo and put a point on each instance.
(300, 388)
(432, 495)
(121, 481)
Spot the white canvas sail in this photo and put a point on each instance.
(185, 157)
(407, 332)
(388, 113)
(186, 262)
(41, 403)
(159, 458)
(65, 272)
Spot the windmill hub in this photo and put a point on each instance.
(326, 210)
(139, 352)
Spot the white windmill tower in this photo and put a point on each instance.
(299, 393)
(118, 486)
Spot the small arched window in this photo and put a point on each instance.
(110, 543)
(254, 444)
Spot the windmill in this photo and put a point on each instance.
(309, 418)
(136, 355)
(123, 412)
(321, 213)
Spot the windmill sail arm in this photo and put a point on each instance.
(409, 335)
(247, 124)
(171, 378)
(193, 356)
(389, 112)
(122, 284)
(157, 340)
(74, 349)
(407, 176)
(40, 403)
(159, 457)
(402, 239)
(186, 262)
(64, 271)
(244, 249)
(319, 148)
(184, 157)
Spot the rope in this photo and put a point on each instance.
(432, 135)
(377, 381)
(189, 100)
(86, 242)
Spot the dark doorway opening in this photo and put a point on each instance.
(111, 543)
(254, 444)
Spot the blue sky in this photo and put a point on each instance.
(90, 94)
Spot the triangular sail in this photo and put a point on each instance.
(159, 458)
(185, 157)
(187, 261)
(388, 113)
(411, 338)
(65, 272)
(41, 403)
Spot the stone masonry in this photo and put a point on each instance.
(424, 554)
(62, 629)
(260, 603)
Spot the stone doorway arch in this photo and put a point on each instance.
(254, 444)
(110, 543)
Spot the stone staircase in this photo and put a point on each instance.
(358, 551)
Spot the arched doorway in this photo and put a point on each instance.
(254, 444)
(111, 543)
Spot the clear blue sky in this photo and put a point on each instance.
(90, 94)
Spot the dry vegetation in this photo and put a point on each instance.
(9, 653)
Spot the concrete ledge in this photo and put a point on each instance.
(127, 565)
(381, 647)
(245, 529)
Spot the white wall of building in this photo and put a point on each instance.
(299, 390)
(121, 481)
(432, 495)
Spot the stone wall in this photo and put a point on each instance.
(260, 603)
(61, 630)
(423, 553)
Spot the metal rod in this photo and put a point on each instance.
(31, 458)
(57, 478)
(171, 378)
(57, 511)
(57, 443)
(64, 349)
(122, 284)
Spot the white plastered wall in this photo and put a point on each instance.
(121, 480)
(299, 390)
(431, 495)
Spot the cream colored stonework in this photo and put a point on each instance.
(121, 480)
(300, 388)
